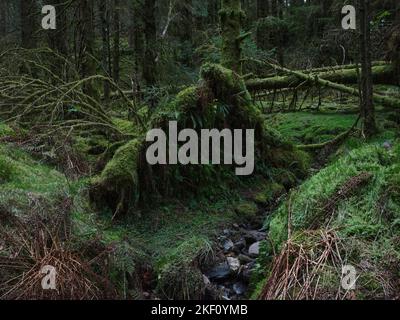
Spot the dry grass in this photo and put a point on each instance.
(298, 269)
(28, 245)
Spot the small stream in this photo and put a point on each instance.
(238, 247)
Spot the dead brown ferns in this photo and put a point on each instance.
(28, 245)
(296, 271)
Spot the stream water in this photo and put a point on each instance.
(228, 277)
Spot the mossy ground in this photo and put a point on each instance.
(22, 178)
(367, 221)
(173, 240)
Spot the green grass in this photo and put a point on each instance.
(22, 178)
(310, 128)
(368, 221)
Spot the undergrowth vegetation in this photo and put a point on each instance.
(365, 216)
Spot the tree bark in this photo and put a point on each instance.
(58, 38)
(381, 74)
(105, 25)
(150, 32)
(116, 40)
(231, 16)
(366, 98)
(3, 20)
(87, 43)
(306, 79)
(263, 10)
(28, 23)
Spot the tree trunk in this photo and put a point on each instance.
(231, 15)
(58, 38)
(274, 8)
(87, 43)
(150, 33)
(28, 23)
(263, 10)
(3, 20)
(366, 99)
(186, 31)
(105, 25)
(213, 8)
(116, 40)
(381, 74)
(307, 79)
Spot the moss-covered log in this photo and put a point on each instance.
(381, 74)
(346, 76)
(127, 178)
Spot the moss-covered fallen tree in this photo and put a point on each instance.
(382, 74)
(321, 81)
(220, 100)
(128, 178)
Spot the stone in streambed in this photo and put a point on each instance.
(239, 246)
(207, 281)
(233, 263)
(254, 236)
(239, 288)
(244, 259)
(254, 250)
(228, 245)
(219, 272)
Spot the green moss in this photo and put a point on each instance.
(269, 193)
(5, 130)
(370, 215)
(122, 169)
(179, 273)
(125, 126)
(319, 188)
(247, 210)
(22, 179)
(312, 128)
(231, 16)
(7, 169)
(255, 294)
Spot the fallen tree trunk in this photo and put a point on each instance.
(335, 68)
(300, 78)
(381, 74)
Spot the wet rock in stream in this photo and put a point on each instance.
(230, 274)
(254, 250)
(219, 272)
(234, 264)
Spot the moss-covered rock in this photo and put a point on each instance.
(269, 193)
(247, 210)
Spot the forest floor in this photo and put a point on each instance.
(223, 245)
